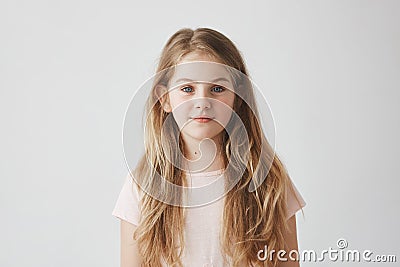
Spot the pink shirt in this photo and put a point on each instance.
(202, 225)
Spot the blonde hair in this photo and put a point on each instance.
(250, 219)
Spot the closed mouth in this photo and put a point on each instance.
(202, 119)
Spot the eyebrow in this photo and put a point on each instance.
(215, 80)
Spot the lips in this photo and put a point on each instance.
(202, 119)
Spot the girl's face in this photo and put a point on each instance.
(200, 97)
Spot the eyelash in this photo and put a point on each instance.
(218, 86)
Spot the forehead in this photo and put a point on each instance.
(201, 71)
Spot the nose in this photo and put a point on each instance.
(202, 100)
(202, 103)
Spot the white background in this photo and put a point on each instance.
(330, 71)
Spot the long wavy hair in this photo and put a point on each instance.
(250, 219)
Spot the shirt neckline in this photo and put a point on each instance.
(202, 174)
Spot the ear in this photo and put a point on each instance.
(161, 93)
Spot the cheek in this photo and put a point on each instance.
(224, 112)
(174, 99)
(180, 110)
(228, 102)
(229, 99)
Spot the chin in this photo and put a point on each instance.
(201, 136)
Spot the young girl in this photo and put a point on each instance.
(193, 139)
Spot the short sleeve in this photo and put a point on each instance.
(127, 206)
(293, 204)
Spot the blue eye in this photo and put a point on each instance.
(218, 89)
(187, 89)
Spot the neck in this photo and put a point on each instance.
(202, 155)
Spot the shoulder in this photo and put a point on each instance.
(127, 206)
(294, 200)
